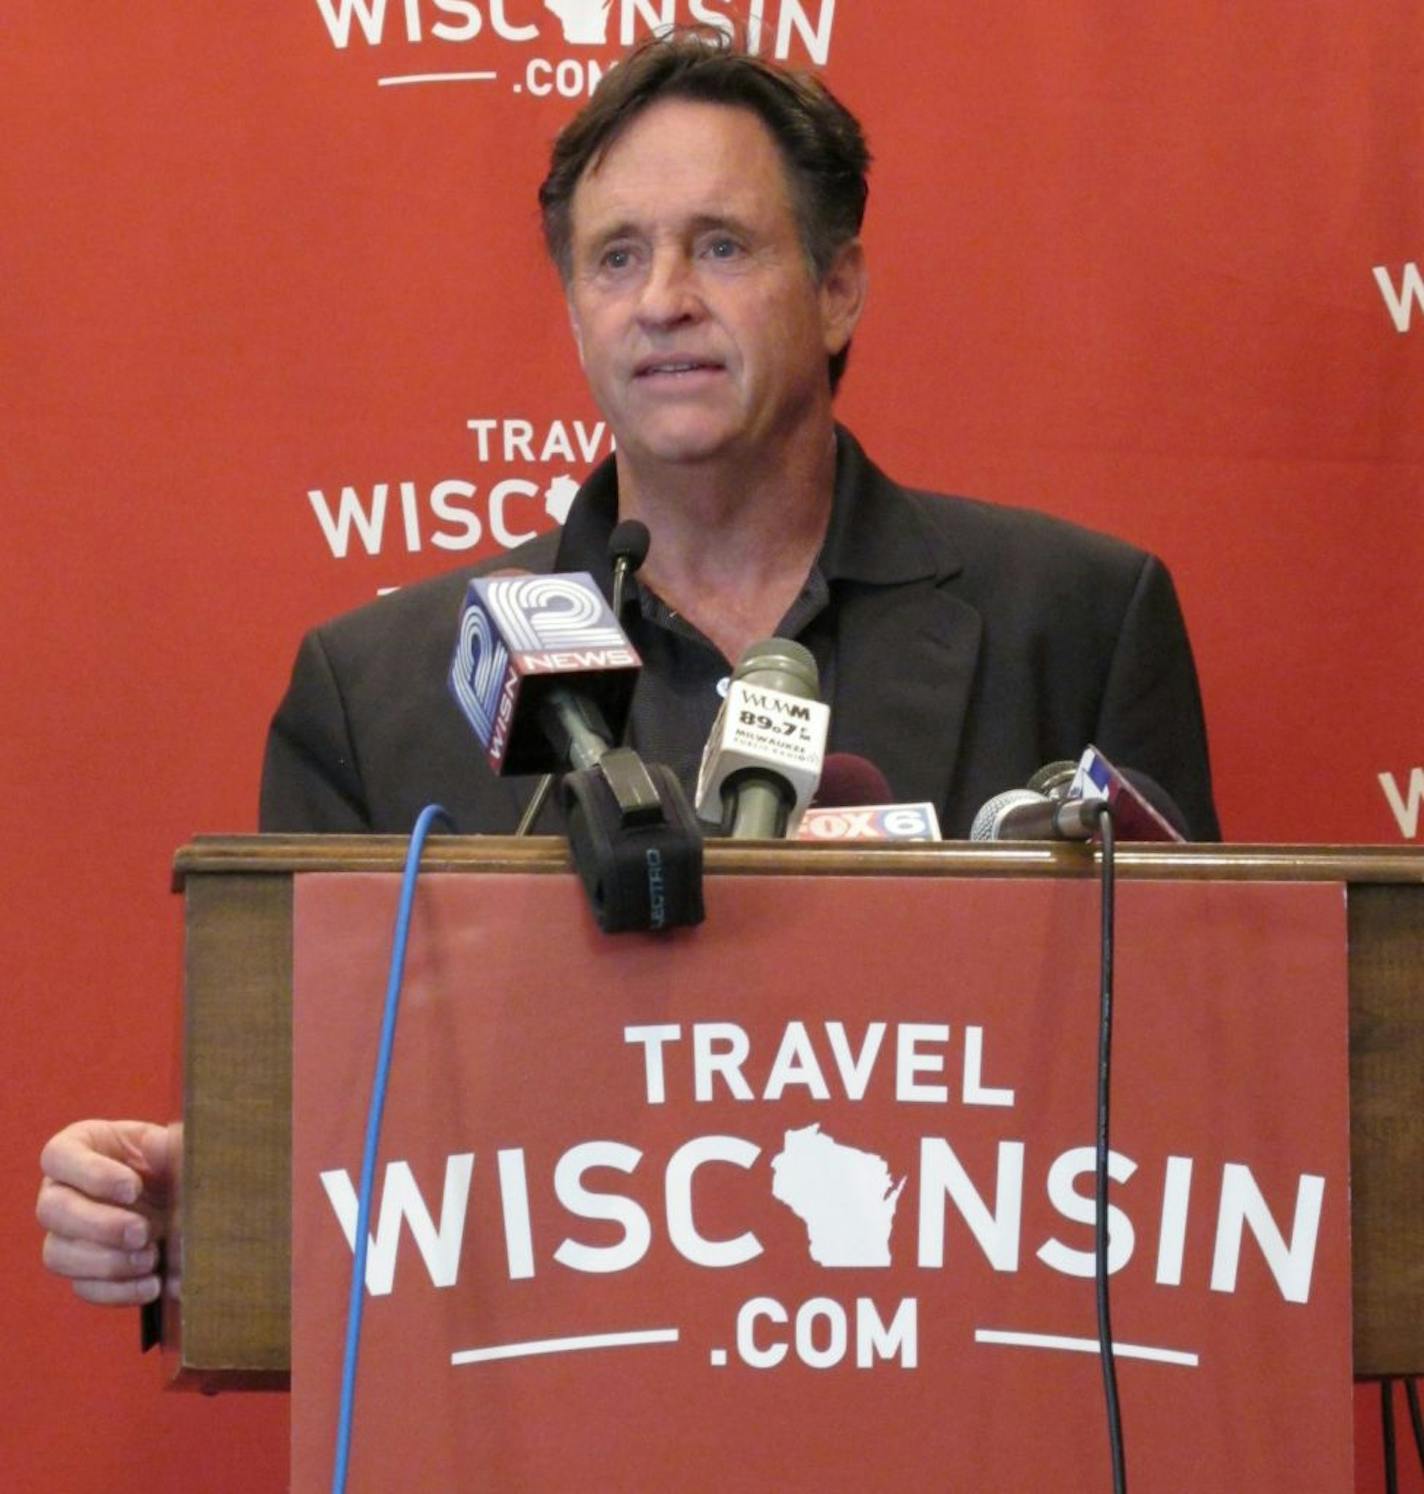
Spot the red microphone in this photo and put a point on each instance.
(848, 778)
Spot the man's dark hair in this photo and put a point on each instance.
(820, 140)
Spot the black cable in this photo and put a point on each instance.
(1391, 1461)
(1411, 1396)
(1100, 1231)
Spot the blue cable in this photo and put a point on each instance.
(357, 1301)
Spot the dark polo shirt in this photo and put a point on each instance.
(685, 674)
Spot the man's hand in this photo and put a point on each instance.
(101, 1205)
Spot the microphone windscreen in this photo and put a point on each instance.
(992, 811)
(780, 664)
(629, 541)
(849, 780)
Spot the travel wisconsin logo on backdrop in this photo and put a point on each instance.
(522, 480)
(542, 49)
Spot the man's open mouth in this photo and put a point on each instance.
(675, 366)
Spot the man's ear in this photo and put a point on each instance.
(843, 289)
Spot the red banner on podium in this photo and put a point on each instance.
(802, 1199)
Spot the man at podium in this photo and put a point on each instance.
(703, 211)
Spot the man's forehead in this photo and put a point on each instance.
(703, 160)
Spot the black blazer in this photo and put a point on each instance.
(974, 643)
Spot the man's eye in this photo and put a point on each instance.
(616, 259)
(724, 248)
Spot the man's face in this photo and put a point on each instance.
(701, 327)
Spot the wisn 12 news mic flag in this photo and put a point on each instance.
(520, 634)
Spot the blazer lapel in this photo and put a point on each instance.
(905, 662)
(906, 646)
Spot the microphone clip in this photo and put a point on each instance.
(635, 842)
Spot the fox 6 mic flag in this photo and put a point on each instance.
(871, 822)
(767, 731)
(518, 636)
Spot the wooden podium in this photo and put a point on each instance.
(228, 1323)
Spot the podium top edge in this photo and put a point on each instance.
(287, 855)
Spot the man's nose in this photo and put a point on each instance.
(670, 294)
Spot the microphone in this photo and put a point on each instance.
(853, 802)
(544, 674)
(1057, 806)
(628, 547)
(1022, 814)
(847, 779)
(542, 671)
(763, 759)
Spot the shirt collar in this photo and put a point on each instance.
(874, 534)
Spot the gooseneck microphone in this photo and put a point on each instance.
(763, 759)
(628, 547)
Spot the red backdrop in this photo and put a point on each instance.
(1153, 273)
